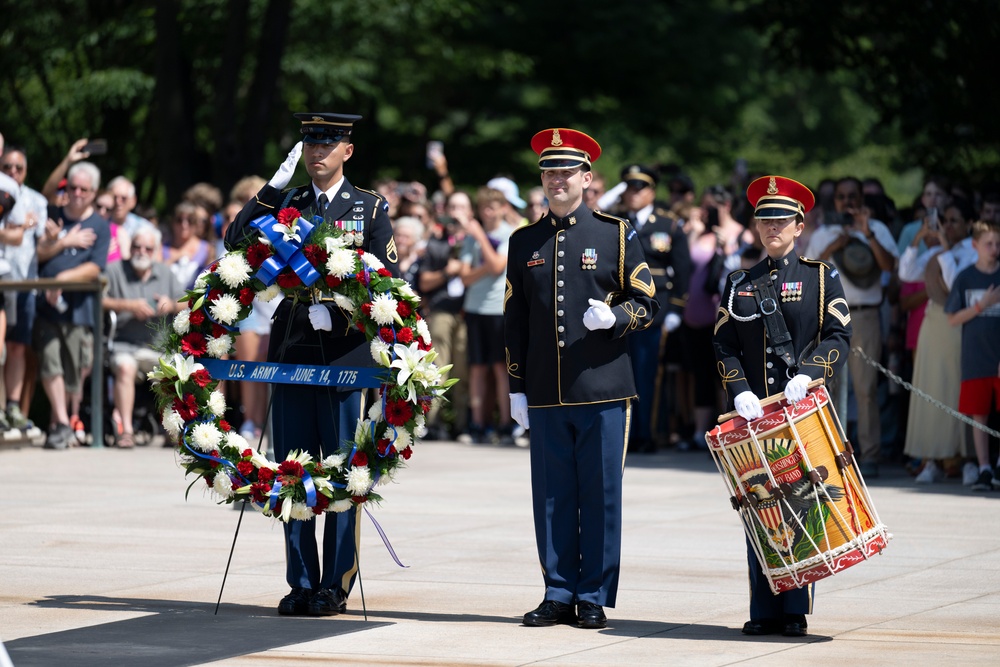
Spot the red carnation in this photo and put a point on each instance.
(291, 468)
(257, 254)
(245, 468)
(214, 267)
(265, 474)
(194, 344)
(215, 453)
(383, 446)
(322, 502)
(406, 454)
(360, 459)
(362, 278)
(421, 345)
(366, 308)
(201, 377)
(387, 334)
(405, 335)
(260, 491)
(385, 273)
(332, 281)
(247, 453)
(224, 425)
(403, 309)
(398, 412)
(317, 256)
(246, 296)
(359, 499)
(197, 317)
(287, 216)
(360, 326)
(288, 279)
(361, 253)
(218, 330)
(214, 294)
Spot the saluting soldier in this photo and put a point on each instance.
(577, 286)
(665, 246)
(755, 360)
(312, 418)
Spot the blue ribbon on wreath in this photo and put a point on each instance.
(307, 483)
(288, 253)
(209, 457)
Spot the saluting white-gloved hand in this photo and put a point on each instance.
(319, 317)
(287, 168)
(598, 316)
(519, 409)
(748, 405)
(671, 322)
(797, 387)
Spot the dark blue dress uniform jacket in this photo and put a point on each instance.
(553, 267)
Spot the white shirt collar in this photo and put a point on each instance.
(331, 193)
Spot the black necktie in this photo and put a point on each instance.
(322, 203)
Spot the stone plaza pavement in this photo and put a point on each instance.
(103, 561)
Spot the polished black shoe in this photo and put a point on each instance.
(548, 613)
(328, 602)
(295, 603)
(795, 626)
(591, 616)
(763, 626)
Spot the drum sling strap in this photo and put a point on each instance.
(774, 321)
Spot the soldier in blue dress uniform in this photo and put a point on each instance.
(577, 286)
(312, 418)
(754, 363)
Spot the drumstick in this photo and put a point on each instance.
(774, 398)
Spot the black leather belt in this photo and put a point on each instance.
(774, 321)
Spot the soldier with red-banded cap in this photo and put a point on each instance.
(577, 285)
(808, 297)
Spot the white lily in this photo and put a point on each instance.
(179, 366)
(414, 367)
(287, 231)
(334, 242)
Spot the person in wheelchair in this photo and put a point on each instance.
(143, 292)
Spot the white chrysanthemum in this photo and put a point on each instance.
(173, 423)
(375, 411)
(380, 351)
(424, 331)
(420, 430)
(383, 309)
(334, 461)
(234, 439)
(359, 480)
(217, 403)
(340, 263)
(371, 260)
(341, 505)
(225, 309)
(206, 437)
(403, 439)
(343, 302)
(384, 479)
(301, 512)
(182, 322)
(202, 282)
(269, 293)
(233, 270)
(223, 484)
(219, 347)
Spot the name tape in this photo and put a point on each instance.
(269, 371)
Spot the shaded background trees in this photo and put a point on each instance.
(187, 91)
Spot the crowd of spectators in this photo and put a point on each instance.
(897, 261)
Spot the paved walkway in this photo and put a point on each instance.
(103, 561)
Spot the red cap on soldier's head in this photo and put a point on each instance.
(563, 148)
(779, 197)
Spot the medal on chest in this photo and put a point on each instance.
(588, 262)
(791, 292)
(660, 241)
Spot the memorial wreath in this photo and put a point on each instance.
(302, 260)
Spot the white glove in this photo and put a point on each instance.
(748, 405)
(319, 317)
(287, 168)
(609, 198)
(671, 322)
(796, 388)
(598, 316)
(519, 409)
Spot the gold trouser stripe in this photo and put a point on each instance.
(628, 427)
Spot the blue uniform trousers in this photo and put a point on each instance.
(317, 419)
(644, 349)
(577, 452)
(766, 605)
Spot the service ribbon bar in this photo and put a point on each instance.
(268, 371)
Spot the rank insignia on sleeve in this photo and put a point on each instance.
(536, 260)
(791, 292)
(589, 259)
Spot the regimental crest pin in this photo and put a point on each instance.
(344, 195)
(588, 262)
(536, 259)
(791, 292)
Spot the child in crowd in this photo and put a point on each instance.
(974, 303)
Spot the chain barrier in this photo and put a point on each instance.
(927, 397)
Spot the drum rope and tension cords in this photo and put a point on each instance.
(927, 397)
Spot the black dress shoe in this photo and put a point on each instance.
(548, 613)
(591, 616)
(328, 602)
(762, 626)
(295, 603)
(795, 626)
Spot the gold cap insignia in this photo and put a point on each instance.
(317, 119)
(772, 187)
(556, 139)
